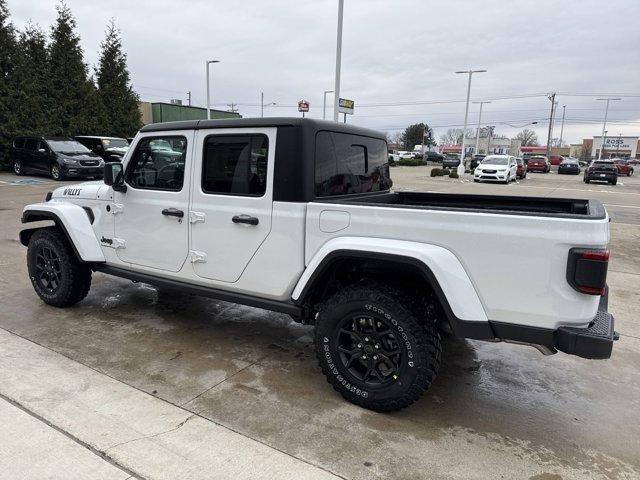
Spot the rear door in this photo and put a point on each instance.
(231, 202)
(151, 223)
(29, 154)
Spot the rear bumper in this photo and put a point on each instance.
(594, 341)
(605, 177)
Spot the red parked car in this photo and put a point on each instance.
(623, 166)
(556, 159)
(538, 164)
(521, 169)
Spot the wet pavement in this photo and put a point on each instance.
(495, 410)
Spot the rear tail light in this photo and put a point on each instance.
(587, 270)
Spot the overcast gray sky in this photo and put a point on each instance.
(394, 52)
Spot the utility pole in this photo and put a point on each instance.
(466, 118)
(336, 88)
(551, 97)
(478, 129)
(232, 107)
(604, 141)
(189, 98)
(262, 104)
(562, 126)
(324, 104)
(489, 133)
(604, 124)
(208, 95)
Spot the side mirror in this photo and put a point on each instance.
(114, 176)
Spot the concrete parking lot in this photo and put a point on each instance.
(139, 383)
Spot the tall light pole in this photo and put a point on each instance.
(551, 97)
(208, 94)
(604, 124)
(324, 104)
(262, 104)
(479, 122)
(336, 88)
(562, 126)
(466, 117)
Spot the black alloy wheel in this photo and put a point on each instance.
(369, 350)
(48, 270)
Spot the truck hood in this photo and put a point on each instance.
(84, 190)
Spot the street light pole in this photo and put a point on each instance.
(261, 104)
(208, 94)
(466, 117)
(562, 125)
(336, 88)
(604, 124)
(324, 104)
(478, 129)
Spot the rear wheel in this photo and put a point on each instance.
(630, 172)
(374, 347)
(56, 172)
(57, 276)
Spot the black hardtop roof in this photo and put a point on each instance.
(306, 123)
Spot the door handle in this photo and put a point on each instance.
(173, 212)
(245, 219)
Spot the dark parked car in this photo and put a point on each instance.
(569, 166)
(602, 171)
(433, 157)
(624, 167)
(538, 164)
(109, 148)
(521, 169)
(451, 161)
(57, 157)
(475, 161)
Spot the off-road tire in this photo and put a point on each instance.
(75, 277)
(406, 319)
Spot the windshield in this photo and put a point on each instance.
(114, 143)
(67, 146)
(568, 162)
(496, 161)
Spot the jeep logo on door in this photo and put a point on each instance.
(72, 191)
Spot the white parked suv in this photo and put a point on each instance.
(298, 216)
(496, 168)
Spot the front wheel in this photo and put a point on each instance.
(57, 276)
(375, 349)
(17, 167)
(629, 173)
(56, 172)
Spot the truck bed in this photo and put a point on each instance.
(532, 206)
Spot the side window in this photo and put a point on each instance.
(158, 163)
(235, 164)
(18, 143)
(31, 144)
(346, 164)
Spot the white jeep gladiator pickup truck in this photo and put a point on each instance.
(298, 216)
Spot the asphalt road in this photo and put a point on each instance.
(203, 375)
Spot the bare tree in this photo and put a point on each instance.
(555, 142)
(453, 136)
(527, 138)
(394, 137)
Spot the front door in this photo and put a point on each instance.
(231, 199)
(151, 217)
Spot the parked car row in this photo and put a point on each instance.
(61, 157)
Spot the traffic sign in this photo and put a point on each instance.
(303, 106)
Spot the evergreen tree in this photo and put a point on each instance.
(8, 125)
(120, 102)
(72, 92)
(31, 76)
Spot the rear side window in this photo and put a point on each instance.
(158, 163)
(235, 164)
(18, 143)
(346, 164)
(31, 144)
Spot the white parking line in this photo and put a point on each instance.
(620, 206)
(582, 190)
